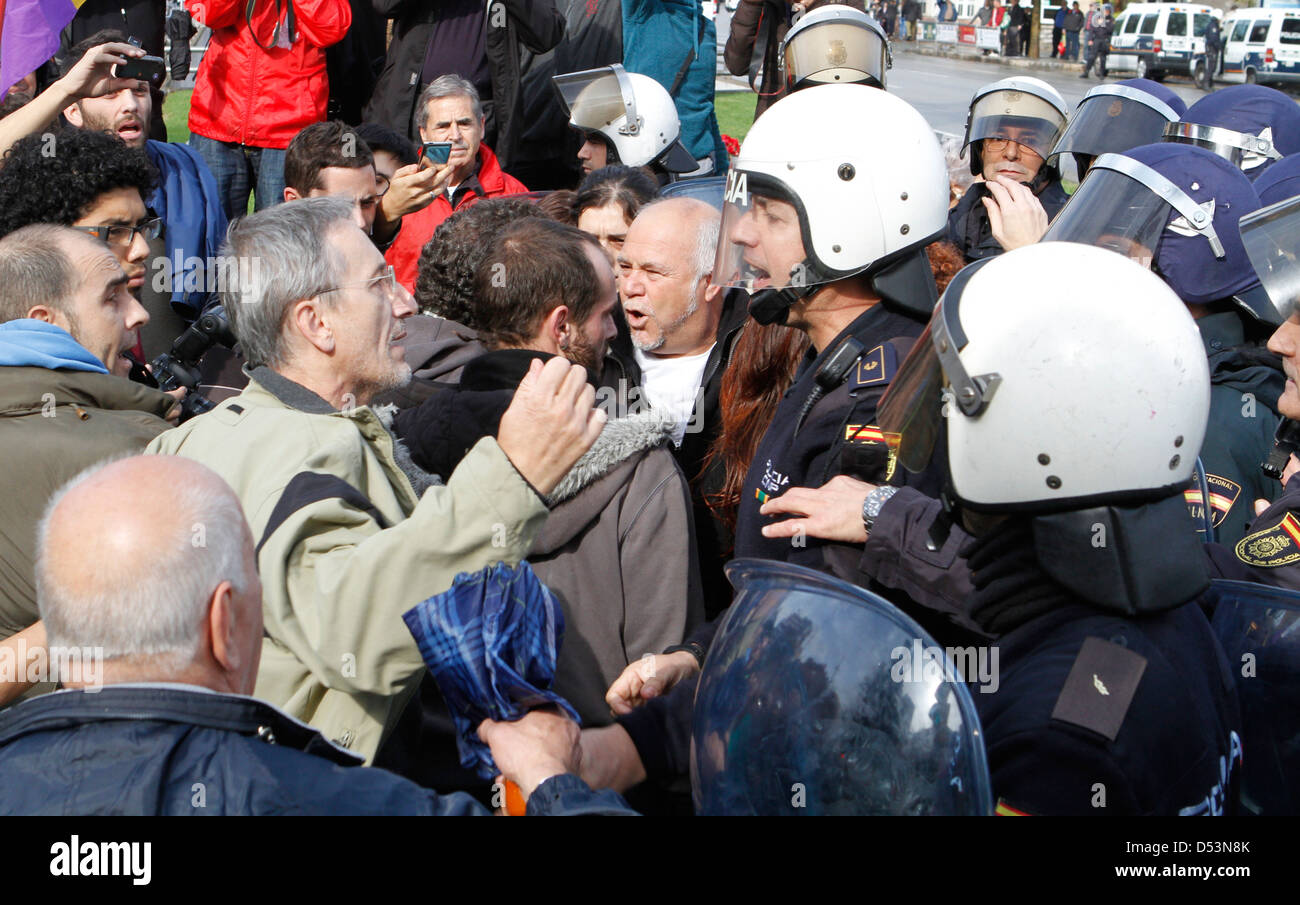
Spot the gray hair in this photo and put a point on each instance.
(156, 610)
(35, 270)
(274, 258)
(708, 228)
(450, 85)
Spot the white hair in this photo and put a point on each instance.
(708, 228)
(153, 605)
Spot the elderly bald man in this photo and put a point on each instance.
(164, 724)
(680, 331)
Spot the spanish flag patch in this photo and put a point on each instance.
(1005, 810)
(1272, 547)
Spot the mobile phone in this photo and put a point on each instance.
(146, 69)
(437, 152)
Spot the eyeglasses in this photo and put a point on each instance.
(387, 282)
(125, 235)
(1000, 144)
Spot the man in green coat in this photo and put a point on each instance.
(350, 534)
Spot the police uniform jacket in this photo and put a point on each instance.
(814, 437)
(1245, 383)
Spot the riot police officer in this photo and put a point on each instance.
(625, 118)
(826, 228)
(1114, 696)
(1113, 118)
(1251, 126)
(1011, 127)
(1175, 209)
(835, 45)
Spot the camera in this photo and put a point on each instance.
(179, 367)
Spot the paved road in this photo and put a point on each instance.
(941, 87)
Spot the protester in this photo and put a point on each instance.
(351, 533)
(607, 202)
(66, 316)
(181, 647)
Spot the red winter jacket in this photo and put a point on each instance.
(417, 228)
(251, 96)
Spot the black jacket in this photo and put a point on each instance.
(176, 750)
(537, 25)
(968, 222)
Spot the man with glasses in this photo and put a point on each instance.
(94, 182)
(1011, 127)
(350, 534)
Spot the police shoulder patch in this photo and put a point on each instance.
(876, 366)
(1100, 687)
(1223, 496)
(1275, 546)
(1005, 810)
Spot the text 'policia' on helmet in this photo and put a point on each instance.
(814, 196)
(1272, 239)
(1112, 119)
(1025, 110)
(1033, 385)
(632, 113)
(835, 45)
(1172, 208)
(1250, 126)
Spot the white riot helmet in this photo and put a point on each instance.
(1096, 392)
(816, 196)
(1025, 110)
(835, 45)
(631, 113)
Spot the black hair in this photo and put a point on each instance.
(56, 177)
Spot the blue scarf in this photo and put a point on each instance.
(31, 343)
(187, 200)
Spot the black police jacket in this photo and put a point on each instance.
(178, 749)
(818, 433)
(968, 223)
(1246, 381)
(1091, 712)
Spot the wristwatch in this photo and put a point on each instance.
(872, 505)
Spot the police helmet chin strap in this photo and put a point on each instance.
(772, 306)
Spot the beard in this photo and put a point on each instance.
(580, 352)
(667, 331)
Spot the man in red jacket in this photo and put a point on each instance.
(449, 110)
(261, 81)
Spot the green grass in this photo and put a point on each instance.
(176, 114)
(735, 113)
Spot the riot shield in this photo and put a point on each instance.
(1259, 628)
(821, 698)
(708, 189)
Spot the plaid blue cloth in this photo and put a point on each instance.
(491, 641)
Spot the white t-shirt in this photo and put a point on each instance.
(672, 385)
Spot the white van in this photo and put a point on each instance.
(1261, 45)
(1154, 39)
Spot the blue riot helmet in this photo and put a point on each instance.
(1172, 208)
(1271, 236)
(821, 698)
(1115, 117)
(1280, 181)
(1251, 126)
(1259, 628)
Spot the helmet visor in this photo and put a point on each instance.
(1272, 239)
(1017, 116)
(910, 413)
(760, 242)
(836, 52)
(1112, 119)
(1125, 206)
(595, 99)
(1243, 150)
